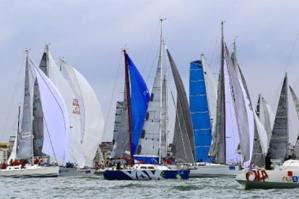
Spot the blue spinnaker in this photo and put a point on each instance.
(199, 112)
(139, 101)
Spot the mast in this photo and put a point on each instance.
(222, 70)
(161, 91)
(127, 85)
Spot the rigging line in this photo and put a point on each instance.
(213, 60)
(149, 70)
(117, 73)
(291, 53)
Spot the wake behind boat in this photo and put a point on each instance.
(145, 172)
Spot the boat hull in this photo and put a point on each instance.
(31, 172)
(145, 174)
(213, 170)
(269, 179)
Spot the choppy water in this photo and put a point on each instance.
(97, 187)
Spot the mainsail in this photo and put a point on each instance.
(200, 114)
(56, 122)
(183, 133)
(278, 147)
(24, 149)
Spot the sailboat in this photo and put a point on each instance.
(281, 171)
(235, 124)
(152, 147)
(84, 110)
(137, 99)
(55, 121)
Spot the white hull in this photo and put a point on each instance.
(75, 171)
(213, 170)
(286, 176)
(31, 171)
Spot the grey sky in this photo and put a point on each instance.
(91, 34)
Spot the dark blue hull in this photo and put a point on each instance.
(126, 174)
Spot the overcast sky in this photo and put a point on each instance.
(90, 36)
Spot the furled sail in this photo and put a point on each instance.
(56, 122)
(278, 147)
(53, 71)
(139, 98)
(183, 133)
(87, 106)
(200, 114)
(24, 149)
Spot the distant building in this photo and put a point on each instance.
(4, 152)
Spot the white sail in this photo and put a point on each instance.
(49, 65)
(150, 137)
(232, 140)
(56, 119)
(266, 117)
(211, 87)
(94, 120)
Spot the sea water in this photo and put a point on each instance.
(97, 187)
